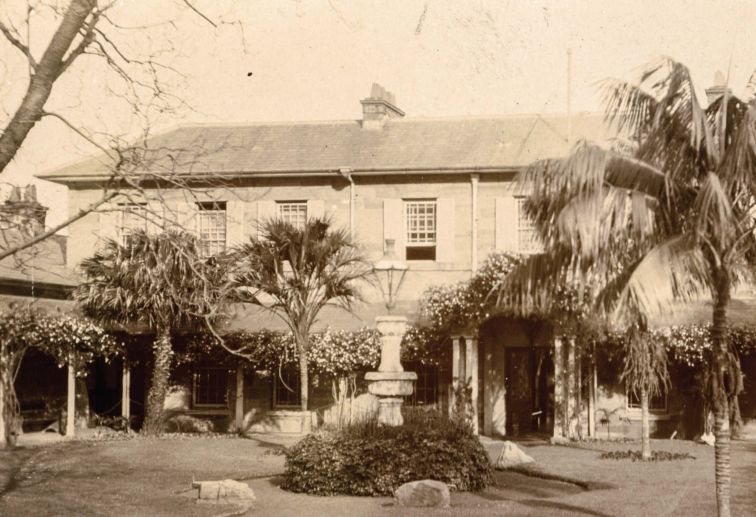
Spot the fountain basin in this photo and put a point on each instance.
(390, 384)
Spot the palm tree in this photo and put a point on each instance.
(671, 217)
(294, 272)
(155, 281)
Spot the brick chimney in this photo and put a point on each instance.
(22, 210)
(379, 107)
(718, 89)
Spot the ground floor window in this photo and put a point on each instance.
(656, 402)
(426, 387)
(210, 386)
(286, 392)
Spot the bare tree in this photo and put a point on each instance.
(88, 35)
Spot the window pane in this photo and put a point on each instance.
(527, 239)
(656, 402)
(133, 217)
(210, 386)
(293, 212)
(426, 387)
(420, 217)
(211, 228)
(286, 390)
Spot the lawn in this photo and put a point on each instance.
(153, 477)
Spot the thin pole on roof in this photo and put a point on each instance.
(569, 96)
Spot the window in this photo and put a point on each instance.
(210, 387)
(132, 218)
(426, 387)
(293, 212)
(656, 402)
(211, 228)
(286, 387)
(527, 240)
(420, 223)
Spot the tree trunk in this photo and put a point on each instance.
(720, 379)
(645, 428)
(43, 77)
(304, 383)
(161, 370)
(5, 417)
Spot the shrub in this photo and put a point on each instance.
(655, 456)
(368, 459)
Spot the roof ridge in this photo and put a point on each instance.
(398, 120)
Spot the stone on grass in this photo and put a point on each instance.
(226, 491)
(559, 440)
(510, 456)
(426, 492)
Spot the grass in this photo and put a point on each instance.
(153, 477)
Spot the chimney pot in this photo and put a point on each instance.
(717, 89)
(379, 107)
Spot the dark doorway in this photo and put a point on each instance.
(104, 386)
(529, 385)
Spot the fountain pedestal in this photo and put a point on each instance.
(390, 382)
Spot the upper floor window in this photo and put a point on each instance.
(420, 224)
(211, 228)
(527, 238)
(293, 212)
(132, 218)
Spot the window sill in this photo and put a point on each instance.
(209, 410)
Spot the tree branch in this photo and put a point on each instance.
(200, 13)
(19, 45)
(52, 231)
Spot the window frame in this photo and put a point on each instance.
(429, 377)
(196, 372)
(420, 244)
(630, 405)
(289, 372)
(299, 205)
(127, 211)
(207, 211)
(525, 225)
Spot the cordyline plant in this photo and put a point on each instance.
(155, 281)
(65, 338)
(669, 219)
(294, 272)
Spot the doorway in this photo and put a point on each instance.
(529, 383)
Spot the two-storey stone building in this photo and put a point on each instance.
(441, 188)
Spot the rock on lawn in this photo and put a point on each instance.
(426, 492)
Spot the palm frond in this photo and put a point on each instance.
(674, 269)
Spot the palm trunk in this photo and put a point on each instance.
(719, 376)
(645, 428)
(304, 383)
(161, 370)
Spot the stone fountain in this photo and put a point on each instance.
(390, 383)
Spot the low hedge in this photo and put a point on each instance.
(372, 460)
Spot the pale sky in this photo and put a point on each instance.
(314, 60)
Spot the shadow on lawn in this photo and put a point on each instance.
(540, 503)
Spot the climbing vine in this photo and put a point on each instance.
(63, 337)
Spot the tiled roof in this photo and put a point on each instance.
(400, 144)
(43, 263)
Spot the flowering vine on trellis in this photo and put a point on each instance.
(61, 336)
(469, 303)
